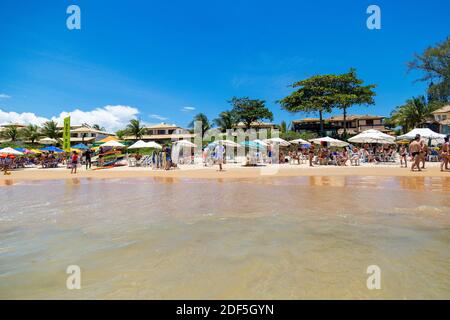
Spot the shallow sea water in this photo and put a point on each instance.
(280, 238)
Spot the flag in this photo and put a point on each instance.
(66, 135)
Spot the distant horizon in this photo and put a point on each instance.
(165, 62)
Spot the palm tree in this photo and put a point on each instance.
(31, 133)
(206, 125)
(98, 127)
(11, 133)
(413, 113)
(135, 128)
(226, 120)
(120, 134)
(50, 129)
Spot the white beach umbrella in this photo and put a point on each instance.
(300, 141)
(424, 133)
(12, 151)
(332, 142)
(153, 144)
(228, 143)
(184, 143)
(279, 141)
(113, 143)
(48, 140)
(260, 142)
(139, 145)
(372, 136)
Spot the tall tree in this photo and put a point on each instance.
(350, 91)
(10, 133)
(98, 127)
(434, 63)
(412, 113)
(31, 133)
(226, 120)
(283, 127)
(206, 125)
(50, 129)
(315, 94)
(135, 129)
(250, 110)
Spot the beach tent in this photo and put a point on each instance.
(153, 144)
(332, 142)
(113, 143)
(434, 137)
(300, 141)
(279, 141)
(48, 141)
(36, 151)
(184, 143)
(12, 151)
(107, 139)
(139, 145)
(372, 136)
(52, 149)
(81, 146)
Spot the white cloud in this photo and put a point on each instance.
(187, 109)
(4, 96)
(157, 117)
(111, 117)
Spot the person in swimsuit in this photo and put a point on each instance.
(74, 162)
(423, 153)
(414, 149)
(445, 153)
(403, 156)
(311, 155)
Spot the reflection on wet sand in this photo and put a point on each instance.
(286, 238)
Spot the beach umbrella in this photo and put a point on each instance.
(300, 141)
(332, 142)
(260, 142)
(279, 141)
(52, 149)
(35, 151)
(434, 137)
(113, 143)
(253, 144)
(153, 144)
(184, 143)
(80, 146)
(12, 151)
(372, 136)
(47, 141)
(139, 145)
(227, 143)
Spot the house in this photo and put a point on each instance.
(84, 134)
(442, 117)
(162, 132)
(335, 125)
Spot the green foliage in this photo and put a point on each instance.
(293, 135)
(31, 133)
(10, 133)
(206, 125)
(226, 120)
(50, 130)
(250, 110)
(120, 134)
(434, 63)
(98, 127)
(135, 129)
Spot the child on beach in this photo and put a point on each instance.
(74, 163)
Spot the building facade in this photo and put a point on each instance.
(442, 118)
(162, 132)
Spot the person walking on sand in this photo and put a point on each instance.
(219, 152)
(445, 154)
(403, 156)
(414, 149)
(74, 162)
(311, 155)
(88, 158)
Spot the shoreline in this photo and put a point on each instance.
(230, 172)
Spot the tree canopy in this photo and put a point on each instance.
(135, 129)
(250, 110)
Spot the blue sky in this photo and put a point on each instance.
(159, 57)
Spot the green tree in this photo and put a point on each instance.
(206, 125)
(121, 133)
(434, 63)
(10, 133)
(98, 127)
(226, 120)
(350, 91)
(135, 129)
(50, 129)
(250, 110)
(412, 113)
(31, 133)
(315, 94)
(283, 127)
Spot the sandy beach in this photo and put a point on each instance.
(231, 171)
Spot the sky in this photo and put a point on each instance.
(165, 61)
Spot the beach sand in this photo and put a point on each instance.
(231, 171)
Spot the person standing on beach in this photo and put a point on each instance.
(74, 162)
(423, 153)
(403, 156)
(445, 153)
(414, 149)
(88, 158)
(311, 155)
(219, 152)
